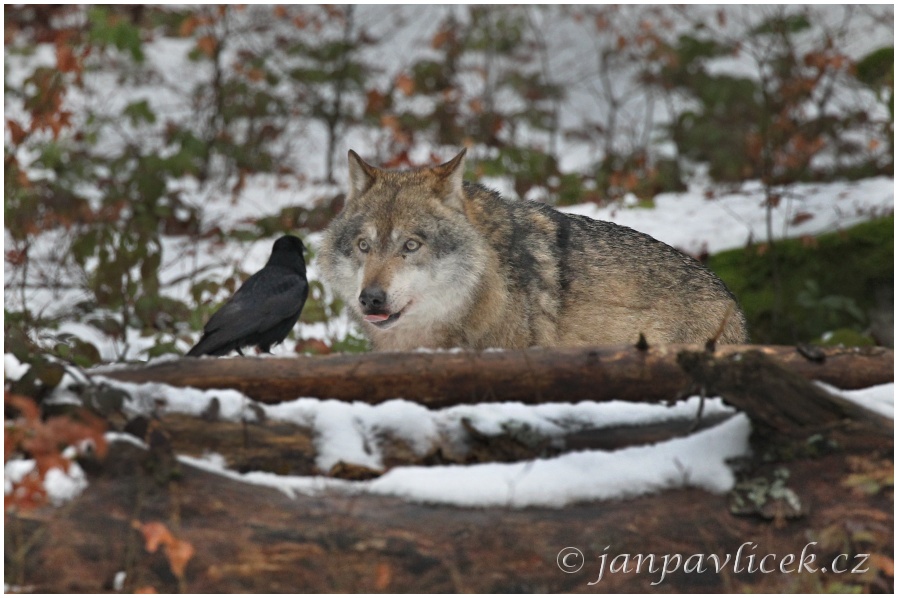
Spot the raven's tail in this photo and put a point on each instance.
(203, 347)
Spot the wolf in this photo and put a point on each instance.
(425, 259)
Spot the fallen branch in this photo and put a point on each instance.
(774, 395)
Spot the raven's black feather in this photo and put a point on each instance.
(264, 309)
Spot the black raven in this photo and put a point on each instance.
(264, 309)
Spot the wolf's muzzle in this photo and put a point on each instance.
(373, 300)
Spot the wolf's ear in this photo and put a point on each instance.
(361, 176)
(452, 174)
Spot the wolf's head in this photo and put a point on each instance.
(402, 253)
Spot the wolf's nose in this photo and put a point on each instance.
(373, 298)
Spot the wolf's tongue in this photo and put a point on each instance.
(376, 317)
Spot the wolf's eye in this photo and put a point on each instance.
(363, 246)
(412, 245)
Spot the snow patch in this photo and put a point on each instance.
(699, 461)
(61, 486)
(13, 369)
(879, 399)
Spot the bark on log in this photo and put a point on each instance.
(530, 376)
(254, 539)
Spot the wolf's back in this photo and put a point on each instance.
(611, 282)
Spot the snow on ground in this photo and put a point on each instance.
(697, 461)
(692, 223)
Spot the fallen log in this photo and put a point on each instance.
(440, 379)
(779, 402)
(255, 539)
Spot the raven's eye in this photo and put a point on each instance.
(363, 246)
(412, 245)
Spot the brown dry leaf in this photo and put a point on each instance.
(67, 430)
(16, 131)
(391, 122)
(26, 406)
(884, 564)
(16, 257)
(721, 18)
(11, 438)
(801, 217)
(315, 346)
(29, 493)
(42, 441)
(65, 59)
(376, 102)
(400, 160)
(207, 45)
(47, 461)
(383, 575)
(439, 40)
(188, 26)
(405, 84)
(179, 552)
(146, 590)
(155, 533)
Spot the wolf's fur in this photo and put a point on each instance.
(492, 272)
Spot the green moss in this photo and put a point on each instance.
(826, 283)
(844, 336)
